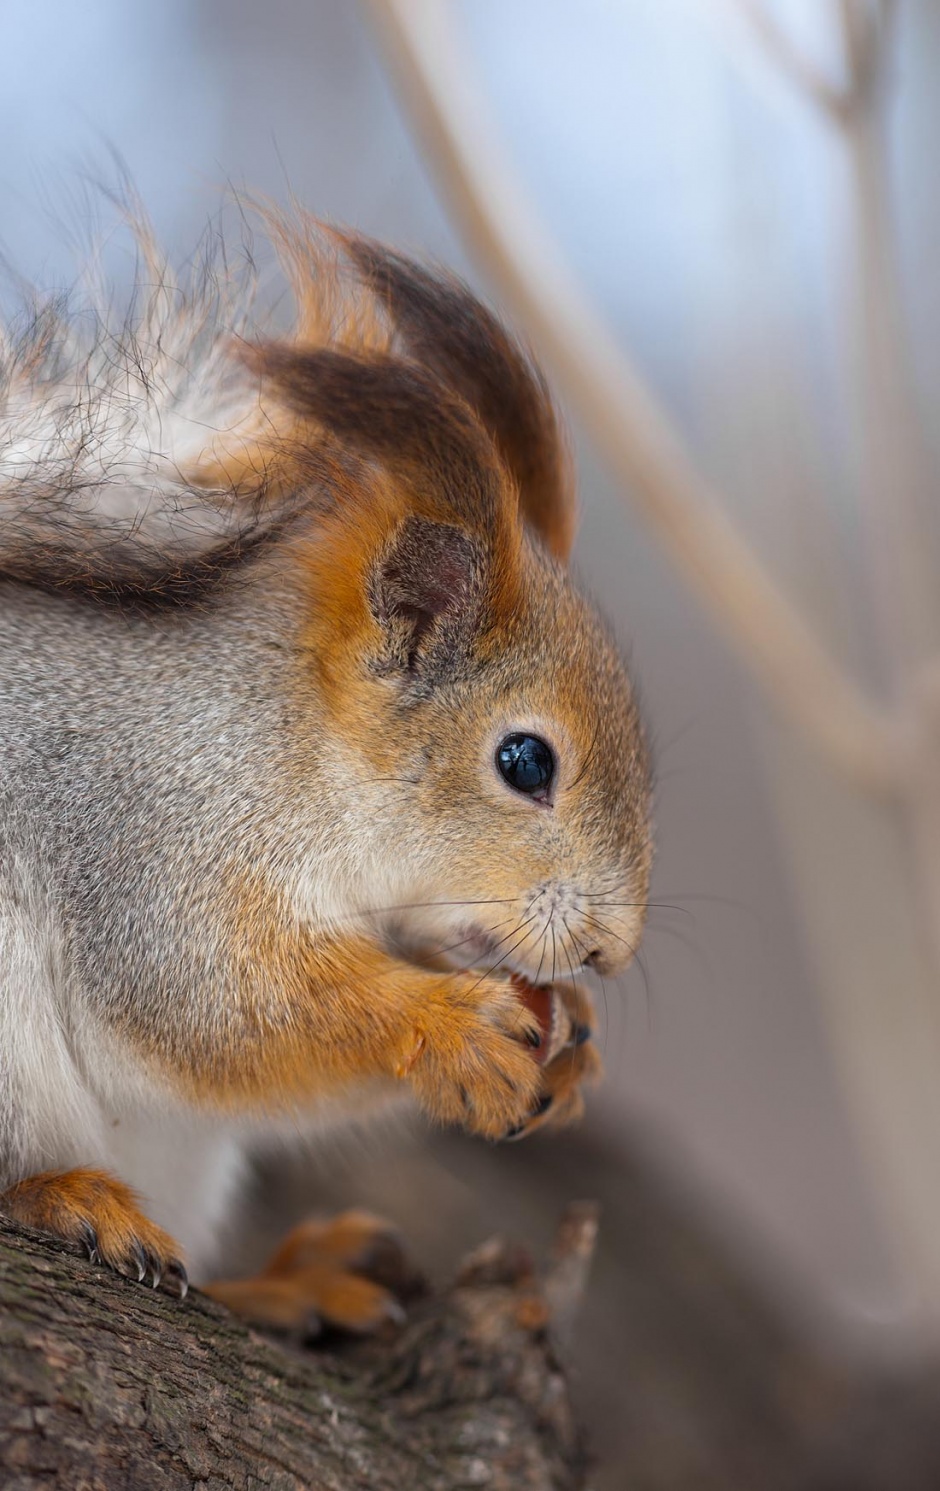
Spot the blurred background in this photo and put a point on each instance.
(766, 1307)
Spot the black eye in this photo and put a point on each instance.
(526, 763)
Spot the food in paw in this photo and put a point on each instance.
(555, 1023)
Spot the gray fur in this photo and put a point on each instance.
(141, 760)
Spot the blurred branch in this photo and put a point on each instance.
(572, 1256)
(797, 673)
(887, 440)
(893, 476)
(890, 1047)
(864, 24)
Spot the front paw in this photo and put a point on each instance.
(471, 1056)
(573, 1062)
(102, 1215)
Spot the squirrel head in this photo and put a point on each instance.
(471, 715)
(486, 744)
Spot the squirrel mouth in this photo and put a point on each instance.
(479, 952)
(487, 955)
(474, 950)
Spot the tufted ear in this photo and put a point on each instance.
(427, 591)
(400, 415)
(446, 329)
(426, 536)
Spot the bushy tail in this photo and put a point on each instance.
(138, 460)
(140, 463)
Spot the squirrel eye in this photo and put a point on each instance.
(526, 763)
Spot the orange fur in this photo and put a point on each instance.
(99, 1212)
(319, 1272)
(299, 1303)
(329, 1015)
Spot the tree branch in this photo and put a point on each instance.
(109, 1385)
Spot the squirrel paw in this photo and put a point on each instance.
(349, 1272)
(471, 1060)
(98, 1212)
(575, 1063)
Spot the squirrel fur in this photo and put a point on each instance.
(268, 606)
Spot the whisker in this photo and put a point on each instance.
(640, 905)
(588, 758)
(439, 952)
(492, 969)
(695, 949)
(607, 1026)
(731, 901)
(579, 945)
(596, 921)
(544, 946)
(573, 1057)
(518, 927)
(635, 954)
(488, 973)
(567, 951)
(358, 922)
(427, 905)
(641, 964)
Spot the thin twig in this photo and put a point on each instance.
(566, 1278)
(865, 27)
(833, 100)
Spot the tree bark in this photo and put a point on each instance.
(105, 1384)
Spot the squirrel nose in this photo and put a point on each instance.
(607, 961)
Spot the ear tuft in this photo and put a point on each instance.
(426, 593)
(444, 327)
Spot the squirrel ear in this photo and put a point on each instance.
(399, 414)
(433, 536)
(426, 592)
(445, 328)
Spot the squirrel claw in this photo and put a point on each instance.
(99, 1213)
(574, 1065)
(137, 1259)
(89, 1240)
(520, 1129)
(176, 1274)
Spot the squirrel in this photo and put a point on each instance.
(318, 775)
